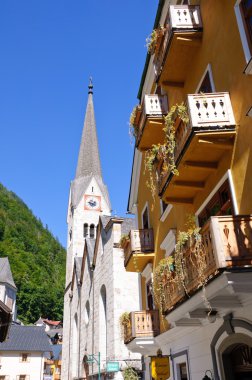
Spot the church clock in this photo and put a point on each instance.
(92, 202)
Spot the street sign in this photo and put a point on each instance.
(112, 366)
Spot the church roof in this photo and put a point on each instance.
(5, 272)
(89, 159)
(88, 165)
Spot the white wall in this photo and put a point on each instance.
(11, 365)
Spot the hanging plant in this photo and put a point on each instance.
(163, 272)
(124, 319)
(152, 39)
(175, 268)
(130, 373)
(133, 122)
(165, 153)
(124, 240)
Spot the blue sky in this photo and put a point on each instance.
(48, 51)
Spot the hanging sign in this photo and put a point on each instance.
(112, 366)
(160, 367)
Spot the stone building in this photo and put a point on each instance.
(98, 289)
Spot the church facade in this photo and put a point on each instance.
(98, 288)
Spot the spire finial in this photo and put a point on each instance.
(90, 86)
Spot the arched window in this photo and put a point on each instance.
(75, 347)
(85, 230)
(103, 323)
(87, 313)
(92, 231)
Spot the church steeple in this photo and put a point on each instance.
(89, 159)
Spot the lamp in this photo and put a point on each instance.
(211, 316)
(207, 377)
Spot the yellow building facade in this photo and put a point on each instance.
(192, 161)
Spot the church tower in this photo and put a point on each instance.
(88, 197)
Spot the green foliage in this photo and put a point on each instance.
(130, 373)
(37, 260)
(165, 152)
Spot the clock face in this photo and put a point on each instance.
(92, 202)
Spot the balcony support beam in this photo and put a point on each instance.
(187, 201)
(190, 184)
(201, 165)
(192, 41)
(173, 83)
(222, 144)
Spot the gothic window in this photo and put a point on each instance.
(246, 11)
(85, 230)
(103, 323)
(92, 231)
(87, 312)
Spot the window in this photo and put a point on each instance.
(24, 358)
(149, 295)
(23, 377)
(87, 313)
(219, 204)
(85, 230)
(181, 365)
(145, 218)
(183, 371)
(206, 84)
(2, 377)
(246, 11)
(163, 206)
(243, 12)
(92, 231)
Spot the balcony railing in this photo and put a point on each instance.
(142, 324)
(154, 107)
(141, 241)
(227, 243)
(183, 19)
(207, 113)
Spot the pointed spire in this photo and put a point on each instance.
(89, 159)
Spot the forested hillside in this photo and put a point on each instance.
(37, 260)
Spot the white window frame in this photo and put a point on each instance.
(227, 175)
(242, 31)
(209, 70)
(147, 274)
(168, 244)
(177, 359)
(146, 206)
(166, 212)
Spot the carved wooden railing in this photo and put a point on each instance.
(140, 241)
(227, 242)
(153, 106)
(181, 18)
(206, 112)
(143, 323)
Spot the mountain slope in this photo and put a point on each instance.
(37, 260)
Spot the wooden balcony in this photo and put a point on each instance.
(139, 250)
(206, 140)
(151, 122)
(143, 324)
(179, 46)
(228, 244)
